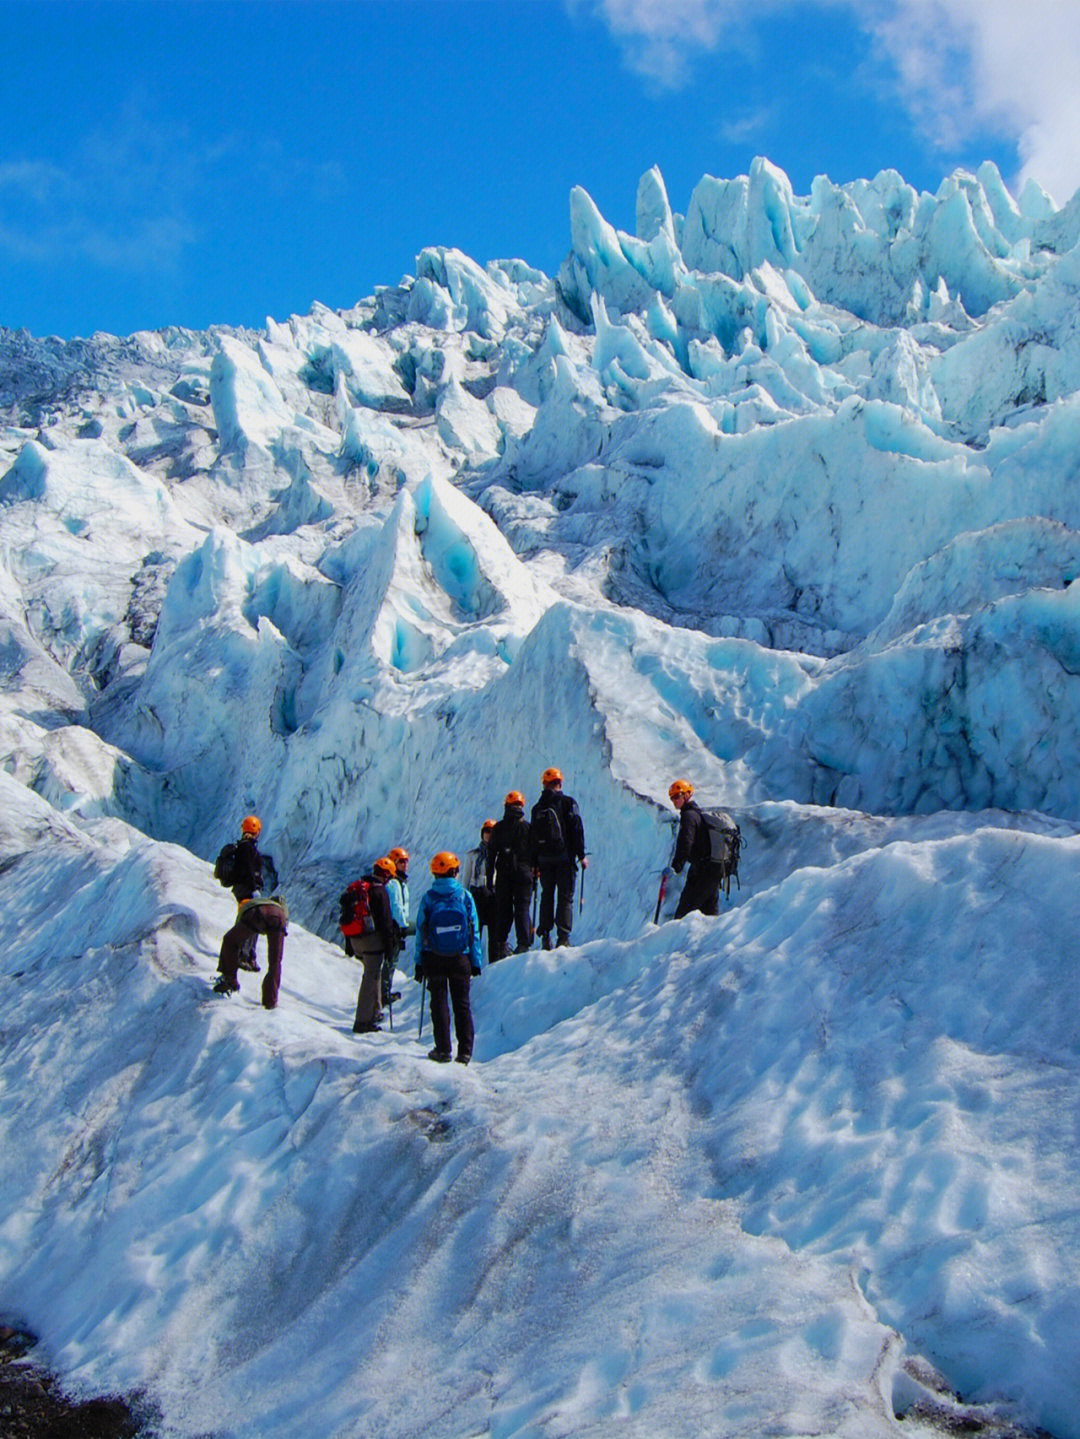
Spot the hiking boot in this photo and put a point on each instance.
(225, 986)
(563, 943)
(463, 1058)
(440, 1056)
(545, 940)
(250, 963)
(395, 996)
(370, 1028)
(523, 949)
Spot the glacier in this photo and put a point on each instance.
(781, 495)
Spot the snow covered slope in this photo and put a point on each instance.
(780, 495)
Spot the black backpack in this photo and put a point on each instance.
(546, 833)
(225, 867)
(725, 844)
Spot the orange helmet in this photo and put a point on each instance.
(551, 776)
(487, 826)
(445, 863)
(251, 824)
(399, 856)
(680, 786)
(385, 866)
(515, 797)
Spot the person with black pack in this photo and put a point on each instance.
(254, 917)
(370, 934)
(510, 877)
(556, 848)
(247, 872)
(694, 846)
(448, 957)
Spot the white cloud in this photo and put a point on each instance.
(964, 66)
(660, 38)
(744, 129)
(994, 65)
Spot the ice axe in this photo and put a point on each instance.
(660, 897)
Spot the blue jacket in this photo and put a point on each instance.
(397, 891)
(443, 884)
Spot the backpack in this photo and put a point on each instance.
(725, 843)
(546, 833)
(446, 926)
(225, 867)
(356, 916)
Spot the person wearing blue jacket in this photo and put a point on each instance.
(448, 956)
(397, 892)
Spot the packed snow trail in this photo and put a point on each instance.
(735, 1167)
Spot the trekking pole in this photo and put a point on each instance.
(423, 991)
(536, 901)
(581, 891)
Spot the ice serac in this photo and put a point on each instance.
(249, 409)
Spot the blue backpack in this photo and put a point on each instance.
(447, 927)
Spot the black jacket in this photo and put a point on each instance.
(573, 831)
(693, 841)
(255, 873)
(381, 912)
(509, 856)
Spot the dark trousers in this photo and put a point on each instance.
(389, 965)
(368, 949)
(701, 891)
(448, 979)
(247, 949)
(513, 902)
(256, 919)
(482, 898)
(557, 897)
(487, 914)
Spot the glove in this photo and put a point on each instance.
(476, 971)
(418, 974)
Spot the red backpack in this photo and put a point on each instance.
(356, 909)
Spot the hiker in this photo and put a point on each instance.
(510, 877)
(368, 926)
(397, 891)
(255, 917)
(247, 872)
(701, 889)
(556, 848)
(448, 956)
(475, 879)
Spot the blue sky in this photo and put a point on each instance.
(194, 162)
